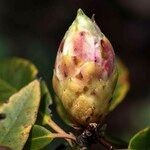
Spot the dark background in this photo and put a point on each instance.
(33, 29)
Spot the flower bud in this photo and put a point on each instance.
(85, 72)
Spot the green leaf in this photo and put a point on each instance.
(21, 112)
(141, 140)
(44, 112)
(15, 73)
(46, 101)
(122, 86)
(40, 137)
(61, 111)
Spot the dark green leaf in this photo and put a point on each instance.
(39, 138)
(21, 112)
(61, 111)
(122, 86)
(46, 101)
(15, 73)
(141, 140)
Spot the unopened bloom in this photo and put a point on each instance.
(85, 72)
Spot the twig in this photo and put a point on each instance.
(54, 135)
(59, 130)
(58, 135)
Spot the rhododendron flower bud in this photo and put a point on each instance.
(85, 72)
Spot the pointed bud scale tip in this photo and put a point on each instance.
(81, 15)
(83, 22)
(80, 12)
(85, 72)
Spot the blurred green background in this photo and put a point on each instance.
(33, 29)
